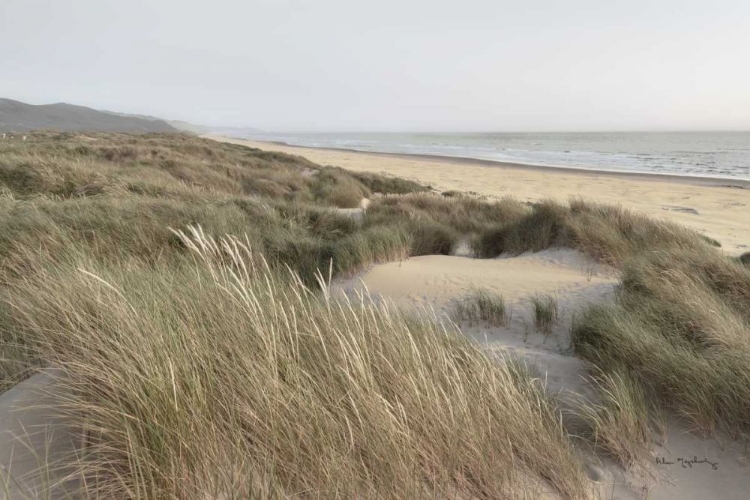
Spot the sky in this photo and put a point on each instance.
(388, 65)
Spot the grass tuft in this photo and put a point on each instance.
(619, 421)
(546, 312)
(680, 326)
(482, 305)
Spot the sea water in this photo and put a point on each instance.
(703, 154)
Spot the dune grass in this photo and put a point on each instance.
(220, 378)
(15, 362)
(545, 312)
(482, 306)
(447, 219)
(176, 166)
(619, 422)
(120, 193)
(680, 327)
(608, 234)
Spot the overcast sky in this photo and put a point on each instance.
(401, 65)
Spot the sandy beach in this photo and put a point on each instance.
(715, 207)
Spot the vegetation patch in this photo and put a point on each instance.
(220, 377)
(619, 422)
(545, 312)
(680, 327)
(482, 306)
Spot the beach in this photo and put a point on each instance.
(717, 208)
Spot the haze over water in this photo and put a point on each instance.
(702, 154)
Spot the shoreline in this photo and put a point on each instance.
(728, 182)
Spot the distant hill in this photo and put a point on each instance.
(238, 132)
(17, 116)
(178, 124)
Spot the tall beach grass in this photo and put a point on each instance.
(221, 378)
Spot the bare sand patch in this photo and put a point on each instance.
(437, 281)
(34, 441)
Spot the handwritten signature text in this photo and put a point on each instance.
(687, 463)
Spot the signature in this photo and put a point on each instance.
(687, 463)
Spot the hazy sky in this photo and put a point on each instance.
(417, 65)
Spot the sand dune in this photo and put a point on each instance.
(692, 468)
(437, 281)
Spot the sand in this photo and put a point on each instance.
(719, 209)
(33, 441)
(437, 281)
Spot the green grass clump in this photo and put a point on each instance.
(745, 258)
(370, 246)
(437, 223)
(432, 238)
(482, 305)
(545, 311)
(217, 377)
(542, 227)
(463, 214)
(711, 241)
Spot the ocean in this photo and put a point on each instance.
(703, 154)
